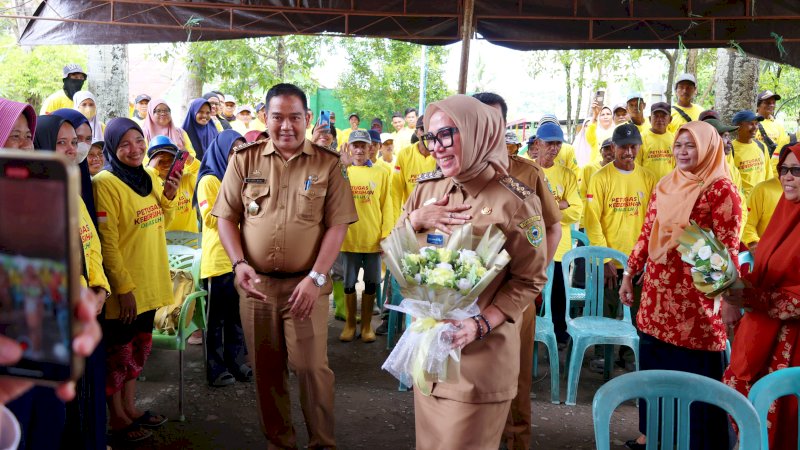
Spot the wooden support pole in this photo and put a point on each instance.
(467, 29)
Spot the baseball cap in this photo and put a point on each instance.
(548, 118)
(230, 99)
(763, 95)
(619, 106)
(386, 137)
(260, 106)
(244, 108)
(353, 114)
(626, 134)
(160, 144)
(721, 127)
(708, 114)
(550, 132)
(511, 138)
(374, 136)
(745, 116)
(98, 143)
(606, 143)
(142, 97)
(661, 106)
(377, 121)
(686, 77)
(72, 68)
(359, 136)
(633, 95)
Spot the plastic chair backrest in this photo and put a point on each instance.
(745, 259)
(668, 393)
(778, 384)
(594, 257)
(185, 258)
(184, 238)
(547, 292)
(580, 236)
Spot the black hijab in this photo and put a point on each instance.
(87, 194)
(136, 178)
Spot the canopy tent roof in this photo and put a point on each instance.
(760, 28)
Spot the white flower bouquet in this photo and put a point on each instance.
(438, 284)
(713, 270)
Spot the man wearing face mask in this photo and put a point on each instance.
(74, 78)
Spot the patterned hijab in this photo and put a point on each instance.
(9, 113)
(151, 128)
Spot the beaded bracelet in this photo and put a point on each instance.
(480, 327)
(488, 326)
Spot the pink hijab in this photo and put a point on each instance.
(9, 113)
(152, 129)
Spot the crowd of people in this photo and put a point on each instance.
(291, 210)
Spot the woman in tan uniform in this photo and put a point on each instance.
(472, 184)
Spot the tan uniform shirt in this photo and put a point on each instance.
(530, 173)
(284, 207)
(490, 367)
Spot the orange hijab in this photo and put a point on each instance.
(678, 191)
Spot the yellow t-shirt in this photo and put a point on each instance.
(751, 162)
(387, 166)
(257, 124)
(761, 205)
(677, 119)
(402, 138)
(583, 184)
(656, 153)
(92, 249)
(132, 233)
(645, 126)
(214, 260)
(410, 164)
(370, 186)
(217, 124)
(564, 186)
(185, 218)
(777, 133)
(566, 157)
(595, 137)
(56, 101)
(343, 135)
(617, 205)
(736, 177)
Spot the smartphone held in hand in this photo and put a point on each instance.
(40, 263)
(178, 163)
(324, 119)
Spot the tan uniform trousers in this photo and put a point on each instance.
(444, 424)
(274, 338)
(517, 433)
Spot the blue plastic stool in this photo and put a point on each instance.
(545, 333)
(770, 388)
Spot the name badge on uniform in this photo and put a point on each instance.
(255, 180)
(436, 239)
(252, 208)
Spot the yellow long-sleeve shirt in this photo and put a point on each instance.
(370, 186)
(92, 250)
(56, 101)
(132, 233)
(566, 157)
(185, 218)
(583, 184)
(656, 153)
(594, 137)
(761, 205)
(409, 165)
(752, 164)
(677, 119)
(617, 205)
(564, 186)
(736, 177)
(402, 138)
(777, 133)
(214, 260)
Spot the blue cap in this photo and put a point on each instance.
(375, 136)
(160, 144)
(549, 132)
(745, 116)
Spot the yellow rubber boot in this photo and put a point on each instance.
(367, 303)
(349, 331)
(338, 300)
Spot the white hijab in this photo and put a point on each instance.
(94, 122)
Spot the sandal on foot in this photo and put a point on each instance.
(223, 379)
(150, 420)
(243, 373)
(131, 433)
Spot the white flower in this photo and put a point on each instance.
(418, 278)
(444, 266)
(716, 262)
(464, 285)
(705, 252)
(698, 245)
(716, 276)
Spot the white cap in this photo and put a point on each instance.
(386, 137)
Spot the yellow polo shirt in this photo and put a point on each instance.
(761, 205)
(370, 187)
(656, 153)
(564, 186)
(677, 119)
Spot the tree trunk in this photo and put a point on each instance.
(568, 79)
(735, 83)
(194, 80)
(22, 8)
(581, 72)
(670, 73)
(108, 80)
(691, 61)
(280, 58)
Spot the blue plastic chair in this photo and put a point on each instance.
(592, 328)
(545, 333)
(184, 238)
(770, 388)
(578, 295)
(395, 327)
(746, 259)
(668, 392)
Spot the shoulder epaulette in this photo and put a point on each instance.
(248, 145)
(327, 149)
(429, 176)
(519, 188)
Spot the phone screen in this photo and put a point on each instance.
(324, 119)
(34, 267)
(599, 97)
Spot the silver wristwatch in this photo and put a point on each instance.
(318, 278)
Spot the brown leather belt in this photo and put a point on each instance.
(283, 275)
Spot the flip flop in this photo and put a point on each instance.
(131, 433)
(223, 379)
(150, 420)
(243, 373)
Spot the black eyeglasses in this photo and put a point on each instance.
(783, 170)
(444, 137)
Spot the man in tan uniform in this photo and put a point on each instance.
(283, 209)
(517, 432)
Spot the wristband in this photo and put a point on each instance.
(237, 262)
(480, 327)
(488, 326)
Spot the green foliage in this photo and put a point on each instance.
(382, 76)
(32, 73)
(785, 81)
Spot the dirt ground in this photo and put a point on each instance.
(370, 412)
